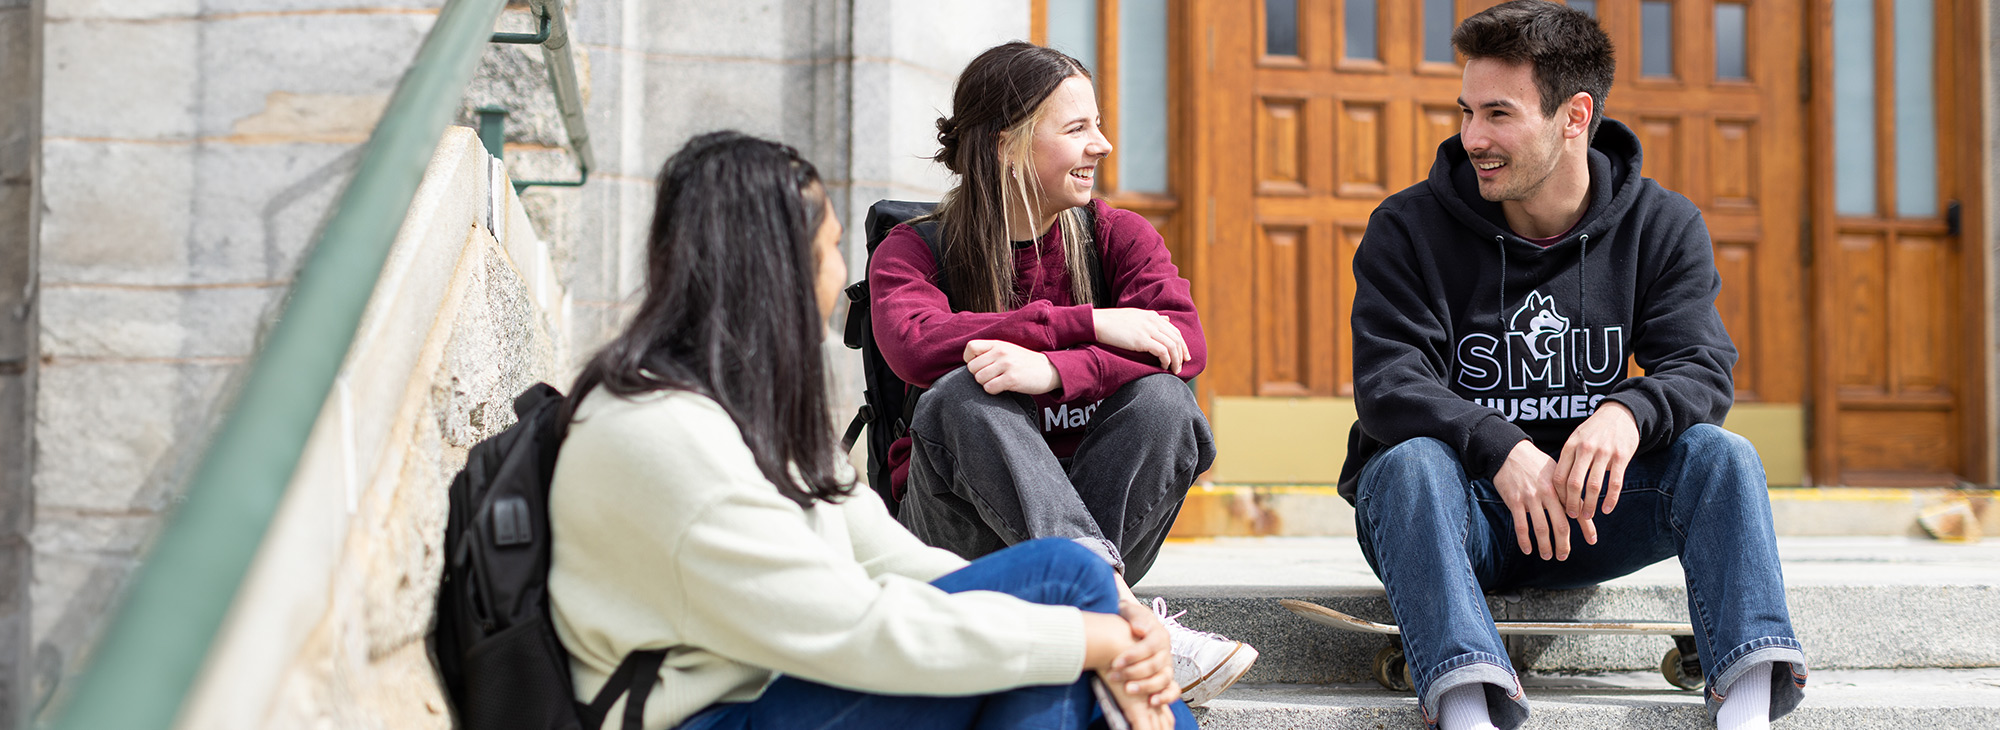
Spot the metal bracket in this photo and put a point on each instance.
(527, 39)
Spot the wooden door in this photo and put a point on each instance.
(1318, 109)
(1897, 293)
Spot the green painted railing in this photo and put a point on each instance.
(142, 671)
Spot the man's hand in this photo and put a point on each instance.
(1527, 484)
(1596, 453)
(1142, 330)
(1004, 366)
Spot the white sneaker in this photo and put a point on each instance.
(1205, 664)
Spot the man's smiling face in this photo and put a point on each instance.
(1513, 146)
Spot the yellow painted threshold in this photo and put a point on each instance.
(1304, 440)
(1282, 510)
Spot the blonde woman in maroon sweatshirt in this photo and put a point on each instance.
(1055, 342)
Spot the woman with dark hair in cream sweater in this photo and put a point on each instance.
(701, 506)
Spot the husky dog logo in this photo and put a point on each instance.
(1544, 328)
(1540, 349)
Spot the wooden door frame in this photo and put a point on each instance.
(1962, 99)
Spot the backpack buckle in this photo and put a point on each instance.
(510, 522)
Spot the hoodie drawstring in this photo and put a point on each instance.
(1582, 316)
(1501, 241)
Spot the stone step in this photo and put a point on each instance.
(1302, 510)
(1856, 603)
(1845, 699)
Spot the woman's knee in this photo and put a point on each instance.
(957, 395)
(1076, 576)
(1160, 398)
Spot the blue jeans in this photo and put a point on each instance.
(1438, 539)
(1049, 571)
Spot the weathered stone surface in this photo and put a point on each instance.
(246, 59)
(228, 7)
(686, 97)
(120, 80)
(121, 322)
(71, 594)
(115, 436)
(613, 210)
(17, 85)
(145, 241)
(747, 29)
(121, 9)
(259, 207)
(63, 530)
(15, 265)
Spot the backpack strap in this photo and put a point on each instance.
(636, 674)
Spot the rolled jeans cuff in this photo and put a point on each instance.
(1787, 661)
(1505, 702)
(1104, 549)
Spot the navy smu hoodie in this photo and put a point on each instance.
(1467, 333)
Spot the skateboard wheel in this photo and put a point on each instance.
(1391, 671)
(1676, 673)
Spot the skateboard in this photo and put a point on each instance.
(1681, 666)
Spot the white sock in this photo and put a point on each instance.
(1464, 708)
(1747, 705)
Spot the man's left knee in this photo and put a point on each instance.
(1713, 444)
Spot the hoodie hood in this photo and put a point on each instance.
(1614, 181)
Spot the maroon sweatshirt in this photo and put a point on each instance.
(922, 338)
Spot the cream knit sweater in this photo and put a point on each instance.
(668, 535)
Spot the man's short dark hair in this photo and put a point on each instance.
(1563, 45)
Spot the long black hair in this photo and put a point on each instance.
(1000, 91)
(729, 311)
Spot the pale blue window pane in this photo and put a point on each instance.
(1589, 7)
(1916, 110)
(1281, 27)
(1361, 29)
(1142, 96)
(1437, 31)
(1731, 38)
(1854, 107)
(1656, 47)
(1073, 29)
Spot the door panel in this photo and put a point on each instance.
(1899, 333)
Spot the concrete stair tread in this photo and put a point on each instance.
(1857, 603)
(1923, 698)
(1287, 565)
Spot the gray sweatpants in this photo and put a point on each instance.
(982, 477)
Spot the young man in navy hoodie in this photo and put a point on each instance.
(1501, 444)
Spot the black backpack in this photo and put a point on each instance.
(495, 644)
(888, 403)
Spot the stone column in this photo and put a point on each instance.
(19, 61)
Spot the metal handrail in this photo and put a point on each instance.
(569, 95)
(139, 676)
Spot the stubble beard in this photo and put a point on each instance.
(1523, 181)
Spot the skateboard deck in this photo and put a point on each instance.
(1323, 615)
(1681, 666)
